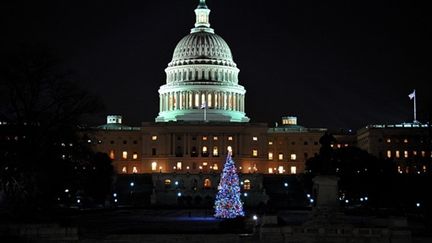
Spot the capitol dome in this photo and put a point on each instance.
(202, 47)
(202, 78)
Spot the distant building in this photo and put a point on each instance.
(407, 144)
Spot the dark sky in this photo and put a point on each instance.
(338, 64)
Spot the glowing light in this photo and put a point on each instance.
(66, 190)
(114, 194)
(418, 205)
(245, 194)
(346, 201)
(179, 194)
(176, 183)
(285, 184)
(132, 184)
(308, 195)
(311, 200)
(255, 217)
(78, 201)
(115, 200)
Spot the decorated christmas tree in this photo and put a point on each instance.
(228, 204)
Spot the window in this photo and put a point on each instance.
(124, 155)
(293, 156)
(281, 169)
(405, 140)
(424, 168)
(135, 155)
(153, 151)
(124, 169)
(415, 153)
(154, 166)
(255, 138)
(246, 184)
(270, 143)
(111, 154)
(215, 151)
(134, 169)
(215, 138)
(167, 182)
(305, 143)
(124, 142)
(423, 153)
(388, 140)
(270, 170)
(135, 142)
(230, 138)
(154, 138)
(204, 151)
(293, 170)
(406, 154)
(215, 167)
(280, 156)
(207, 183)
(179, 165)
(205, 164)
(397, 154)
(388, 153)
(111, 142)
(255, 153)
(204, 138)
(270, 155)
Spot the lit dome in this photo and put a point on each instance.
(202, 78)
(202, 47)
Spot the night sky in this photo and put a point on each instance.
(337, 64)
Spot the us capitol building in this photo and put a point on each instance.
(202, 114)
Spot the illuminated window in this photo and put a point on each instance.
(270, 170)
(230, 138)
(405, 140)
(406, 154)
(215, 138)
(135, 155)
(255, 138)
(154, 166)
(293, 156)
(204, 149)
(293, 170)
(415, 153)
(423, 153)
(207, 183)
(399, 169)
(124, 169)
(111, 154)
(388, 153)
(209, 100)
(134, 169)
(179, 165)
(388, 140)
(204, 138)
(280, 156)
(270, 143)
(205, 163)
(246, 184)
(154, 138)
(397, 154)
(124, 155)
(281, 169)
(255, 153)
(270, 155)
(197, 100)
(215, 167)
(167, 182)
(215, 151)
(424, 168)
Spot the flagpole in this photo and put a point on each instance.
(415, 108)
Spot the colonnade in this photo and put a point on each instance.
(186, 100)
(213, 74)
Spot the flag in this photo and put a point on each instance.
(203, 105)
(412, 95)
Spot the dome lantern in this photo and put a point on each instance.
(202, 22)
